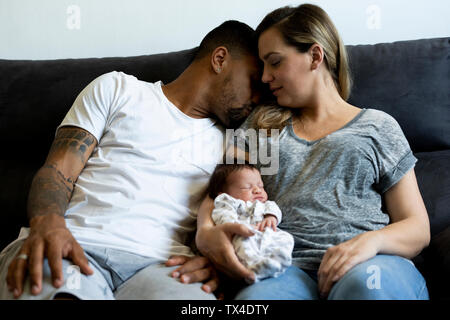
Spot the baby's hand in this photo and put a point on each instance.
(268, 221)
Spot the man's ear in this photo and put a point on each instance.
(219, 59)
(317, 54)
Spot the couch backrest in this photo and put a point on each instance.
(410, 80)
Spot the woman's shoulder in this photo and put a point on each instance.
(381, 126)
(378, 120)
(378, 116)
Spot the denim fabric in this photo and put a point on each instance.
(384, 277)
(117, 275)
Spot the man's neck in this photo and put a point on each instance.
(188, 93)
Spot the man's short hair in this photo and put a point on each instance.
(239, 38)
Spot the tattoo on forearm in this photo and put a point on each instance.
(50, 192)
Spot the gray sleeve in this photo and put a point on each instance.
(394, 157)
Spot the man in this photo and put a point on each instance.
(116, 195)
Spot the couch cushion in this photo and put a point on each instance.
(410, 81)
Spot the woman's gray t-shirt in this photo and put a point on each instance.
(330, 190)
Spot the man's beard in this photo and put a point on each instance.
(233, 117)
(236, 116)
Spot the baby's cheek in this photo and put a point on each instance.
(265, 195)
(246, 196)
(240, 194)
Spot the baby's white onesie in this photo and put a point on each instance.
(267, 253)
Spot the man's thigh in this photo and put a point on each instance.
(75, 283)
(155, 283)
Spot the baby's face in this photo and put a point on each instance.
(246, 184)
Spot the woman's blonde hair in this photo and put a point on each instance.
(301, 27)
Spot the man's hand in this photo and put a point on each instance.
(195, 269)
(215, 243)
(49, 238)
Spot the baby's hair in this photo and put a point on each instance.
(218, 179)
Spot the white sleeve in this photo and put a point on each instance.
(92, 107)
(224, 210)
(272, 208)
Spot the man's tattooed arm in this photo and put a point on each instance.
(53, 184)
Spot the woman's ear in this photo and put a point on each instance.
(317, 55)
(219, 59)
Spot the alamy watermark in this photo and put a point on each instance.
(210, 149)
(261, 149)
(73, 21)
(73, 281)
(374, 280)
(373, 21)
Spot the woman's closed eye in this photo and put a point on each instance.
(274, 64)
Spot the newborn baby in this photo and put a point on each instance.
(239, 197)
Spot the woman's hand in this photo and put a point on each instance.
(215, 243)
(338, 260)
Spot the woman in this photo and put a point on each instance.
(337, 163)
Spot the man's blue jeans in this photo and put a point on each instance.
(384, 277)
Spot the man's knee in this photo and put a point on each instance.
(75, 286)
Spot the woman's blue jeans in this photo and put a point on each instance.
(383, 277)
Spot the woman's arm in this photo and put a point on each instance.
(409, 230)
(215, 242)
(406, 235)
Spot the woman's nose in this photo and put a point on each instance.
(266, 76)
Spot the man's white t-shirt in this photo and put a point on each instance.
(137, 191)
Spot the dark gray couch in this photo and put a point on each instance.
(409, 80)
